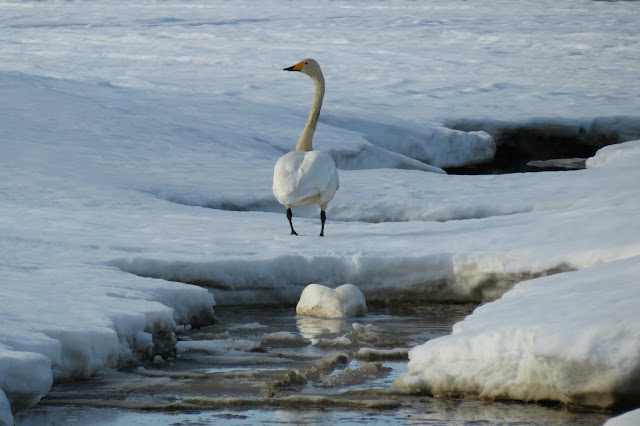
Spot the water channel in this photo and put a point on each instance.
(268, 366)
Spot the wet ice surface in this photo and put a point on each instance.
(269, 366)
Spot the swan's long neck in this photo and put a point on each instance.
(305, 143)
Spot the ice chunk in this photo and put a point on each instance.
(248, 326)
(320, 301)
(617, 156)
(370, 354)
(435, 145)
(25, 377)
(632, 418)
(283, 338)
(215, 345)
(516, 347)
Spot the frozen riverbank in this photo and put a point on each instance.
(558, 338)
(262, 365)
(139, 150)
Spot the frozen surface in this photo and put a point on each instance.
(321, 301)
(630, 418)
(214, 345)
(517, 347)
(229, 384)
(137, 142)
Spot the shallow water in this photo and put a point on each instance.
(267, 366)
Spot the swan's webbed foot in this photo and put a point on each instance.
(289, 216)
(323, 218)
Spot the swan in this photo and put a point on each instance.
(304, 176)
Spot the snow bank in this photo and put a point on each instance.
(320, 301)
(616, 156)
(76, 327)
(437, 146)
(595, 132)
(25, 377)
(519, 232)
(555, 338)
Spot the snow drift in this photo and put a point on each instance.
(529, 346)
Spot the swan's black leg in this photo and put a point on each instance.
(323, 218)
(289, 216)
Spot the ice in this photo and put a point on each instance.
(518, 347)
(616, 156)
(321, 301)
(370, 354)
(215, 345)
(338, 342)
(25, 377)
(437, 146)
(137, 145)
(353, 376)
(630, 418)
(283, 338)
(248, 326)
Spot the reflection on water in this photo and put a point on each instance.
(267, 366)
(311, 328)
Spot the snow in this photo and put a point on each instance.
(321, 301)
(615, 156)
(517, 347)
(137, 145)
(24, 376)
(630, 418)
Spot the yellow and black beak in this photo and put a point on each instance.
(296, 67)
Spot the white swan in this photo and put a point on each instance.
(304, 176)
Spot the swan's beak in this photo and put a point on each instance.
(296, 67)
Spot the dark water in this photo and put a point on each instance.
(267, 366)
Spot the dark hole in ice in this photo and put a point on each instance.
(538, 147)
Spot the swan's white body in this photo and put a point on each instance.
(304, 176)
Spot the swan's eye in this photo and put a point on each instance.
(306, 63)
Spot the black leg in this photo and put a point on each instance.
(289, 216)
(323, 218)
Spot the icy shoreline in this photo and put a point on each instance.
(138, 140)
(557, 338)
(104, 340)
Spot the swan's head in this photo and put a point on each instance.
(307, 66)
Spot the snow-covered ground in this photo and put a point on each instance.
(137, 142)
(628, 419)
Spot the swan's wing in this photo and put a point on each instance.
(330, 190)
(286, 176)
(302, 176)
(318, 170)
(322, 170)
